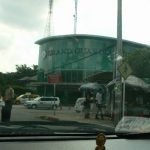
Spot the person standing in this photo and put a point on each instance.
(99, 104)
(8, 98)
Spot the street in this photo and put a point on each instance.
(21, 113)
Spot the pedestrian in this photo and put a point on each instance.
(87, 105)
(99, 104)
(6, 109)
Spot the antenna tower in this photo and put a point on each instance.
(75, 16)
(48, 28)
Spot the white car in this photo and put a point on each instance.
(43, 102)
(79, 104)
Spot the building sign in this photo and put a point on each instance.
(54, 78)
(51, 51)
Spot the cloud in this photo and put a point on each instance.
(21, 51)
(17, 47)
(6, 38)
(22, 23)
(5, 42)
(26, 14)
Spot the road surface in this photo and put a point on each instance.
(21, 113)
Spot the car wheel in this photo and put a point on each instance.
(34, 106)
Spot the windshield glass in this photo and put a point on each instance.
(74, 66)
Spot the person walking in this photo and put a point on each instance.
(99, 104)
(87, 105)
(8, 98)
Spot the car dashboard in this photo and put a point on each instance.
(71, 143)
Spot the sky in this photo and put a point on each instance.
(23, 22)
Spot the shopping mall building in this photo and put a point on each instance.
(67, 61)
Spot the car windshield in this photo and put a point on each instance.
(74, 66)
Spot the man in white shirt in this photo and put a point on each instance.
(99, 101)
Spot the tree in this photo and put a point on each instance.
(13, 78)
(23, 70)
(140, 62)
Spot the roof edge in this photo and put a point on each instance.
(43, 40)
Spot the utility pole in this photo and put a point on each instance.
(118, 61)
(119, 29)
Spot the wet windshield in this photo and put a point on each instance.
(72, 66)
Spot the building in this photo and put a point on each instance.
(68, 61)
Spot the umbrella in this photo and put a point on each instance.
(90, 86)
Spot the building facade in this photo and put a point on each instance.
(67, 61)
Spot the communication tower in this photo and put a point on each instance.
(48, 28)
(75, 16)
(49, 25)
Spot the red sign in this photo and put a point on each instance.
(54, 78)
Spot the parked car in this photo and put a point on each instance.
(43, 102)
(79, 104)
(25, 97)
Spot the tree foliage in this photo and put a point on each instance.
(140, 63)
(13, 77)
(24, 70)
